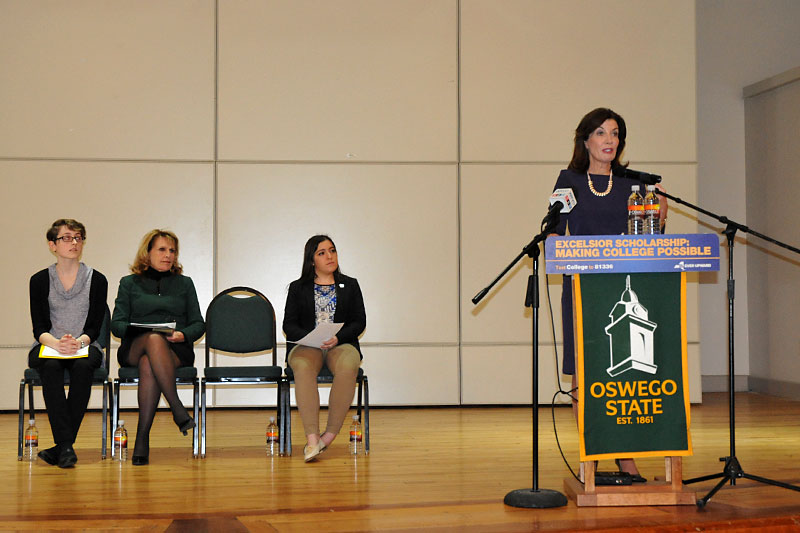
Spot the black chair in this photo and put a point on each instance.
(241, 320)
(326, 378)
(184, 376)
(31, 379)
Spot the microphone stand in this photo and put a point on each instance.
(533, 497)
(732, 469)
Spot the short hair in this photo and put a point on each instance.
(142, 260)
(74, 225)
(590, 122)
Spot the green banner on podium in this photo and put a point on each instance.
(633, 393)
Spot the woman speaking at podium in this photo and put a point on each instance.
(595, 175)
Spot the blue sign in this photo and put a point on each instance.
(605, 254)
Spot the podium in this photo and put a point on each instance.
(629, 312)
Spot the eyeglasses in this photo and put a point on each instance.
(67, 238)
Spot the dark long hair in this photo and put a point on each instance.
(593, 120)
(307, 274)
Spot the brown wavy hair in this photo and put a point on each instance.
(142, 260)
(590, 122)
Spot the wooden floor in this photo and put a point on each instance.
(430, 470)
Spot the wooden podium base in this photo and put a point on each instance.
(665, 492)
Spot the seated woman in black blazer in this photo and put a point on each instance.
(323, 294)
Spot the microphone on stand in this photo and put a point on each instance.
(561, 201)
(642, 177)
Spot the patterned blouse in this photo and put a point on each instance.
(324, 302)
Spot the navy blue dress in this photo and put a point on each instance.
(593, 215)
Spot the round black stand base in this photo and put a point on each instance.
(539, 499)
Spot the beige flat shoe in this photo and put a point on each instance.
(311, 452)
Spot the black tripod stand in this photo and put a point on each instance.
(732, 469)
(533, 497)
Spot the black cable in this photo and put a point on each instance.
(559, 390)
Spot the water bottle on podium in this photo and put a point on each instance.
(635, 212)
(652, 212)
(31, 450)
(355, 436)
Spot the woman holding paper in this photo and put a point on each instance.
(323, 294)
(68, 302)
(154, 294)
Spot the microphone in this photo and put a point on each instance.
(642, 177)
(561, 201)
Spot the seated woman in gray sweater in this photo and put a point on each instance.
(68, 302)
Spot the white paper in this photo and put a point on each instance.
(161, 327)
(50, 353)
(321, 333)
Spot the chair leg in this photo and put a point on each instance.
(196, 430)
(114, 413)
(31, 409)
(279, 409)
(365, 381)
(104, 444)
(288, 422)
(21, 418)
(203, 387)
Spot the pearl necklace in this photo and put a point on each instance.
(608, 189)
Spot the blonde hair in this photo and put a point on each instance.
(142, 260)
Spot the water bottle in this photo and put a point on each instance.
(120, 451)
(635, 212)
(31, 450)
(355, 436)
(652, 212)
(273, 444)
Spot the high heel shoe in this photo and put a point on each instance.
(140, 460)
(636, 478)
(186, 425)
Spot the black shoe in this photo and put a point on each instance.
(67, 457)
(50, 455)
(636, 478)
(186, 425)
(140, 460)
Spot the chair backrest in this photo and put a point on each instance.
(240, 320)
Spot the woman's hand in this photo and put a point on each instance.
(662, 200)
(68, 345)
(177, 336)
(330, 343)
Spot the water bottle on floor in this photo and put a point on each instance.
(31, 450)
(355, 436)
(120, 451)
(273, 443)
(635, 212)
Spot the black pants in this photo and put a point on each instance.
(65, 411)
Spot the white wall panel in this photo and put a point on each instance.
(352, 80)
(531, 69)
(394, 227)
(126, 79)
(118, 203)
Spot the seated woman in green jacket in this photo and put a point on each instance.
(156, 293)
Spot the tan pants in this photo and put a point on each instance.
(343, 361)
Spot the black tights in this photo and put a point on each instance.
(157, 364)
